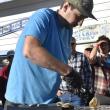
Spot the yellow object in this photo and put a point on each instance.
(64, 105)
(94, 103)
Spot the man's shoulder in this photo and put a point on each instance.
(79, 53)
(43, 14)
(44, 11)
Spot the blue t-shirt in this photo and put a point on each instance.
(29, 83)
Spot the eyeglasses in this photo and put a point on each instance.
(104, 45)
(73, 43)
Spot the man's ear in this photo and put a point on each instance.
(65, 6)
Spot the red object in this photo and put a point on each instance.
(4, 72)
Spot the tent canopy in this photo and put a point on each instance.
(21, 6)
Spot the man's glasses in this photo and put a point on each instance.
(72, 43)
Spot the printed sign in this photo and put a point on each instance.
(13, 27)
(91, 33)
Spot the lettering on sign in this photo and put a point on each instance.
(91, 33)
(12, 27)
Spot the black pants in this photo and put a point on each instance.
(11, 104)
(8, 105)
(3, 84)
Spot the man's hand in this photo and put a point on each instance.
(73, 79)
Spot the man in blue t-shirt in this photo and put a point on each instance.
(42, 52)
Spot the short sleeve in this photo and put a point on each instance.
(37, 25)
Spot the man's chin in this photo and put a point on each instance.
(73, 25)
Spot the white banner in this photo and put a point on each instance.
(13, 27)
(91, 33)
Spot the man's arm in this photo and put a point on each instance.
(87, 71)
(93, 53)
(34, 51)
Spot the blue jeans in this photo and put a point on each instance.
(71, 98)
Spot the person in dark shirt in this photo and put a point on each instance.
(71, 92)
(4, 73)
